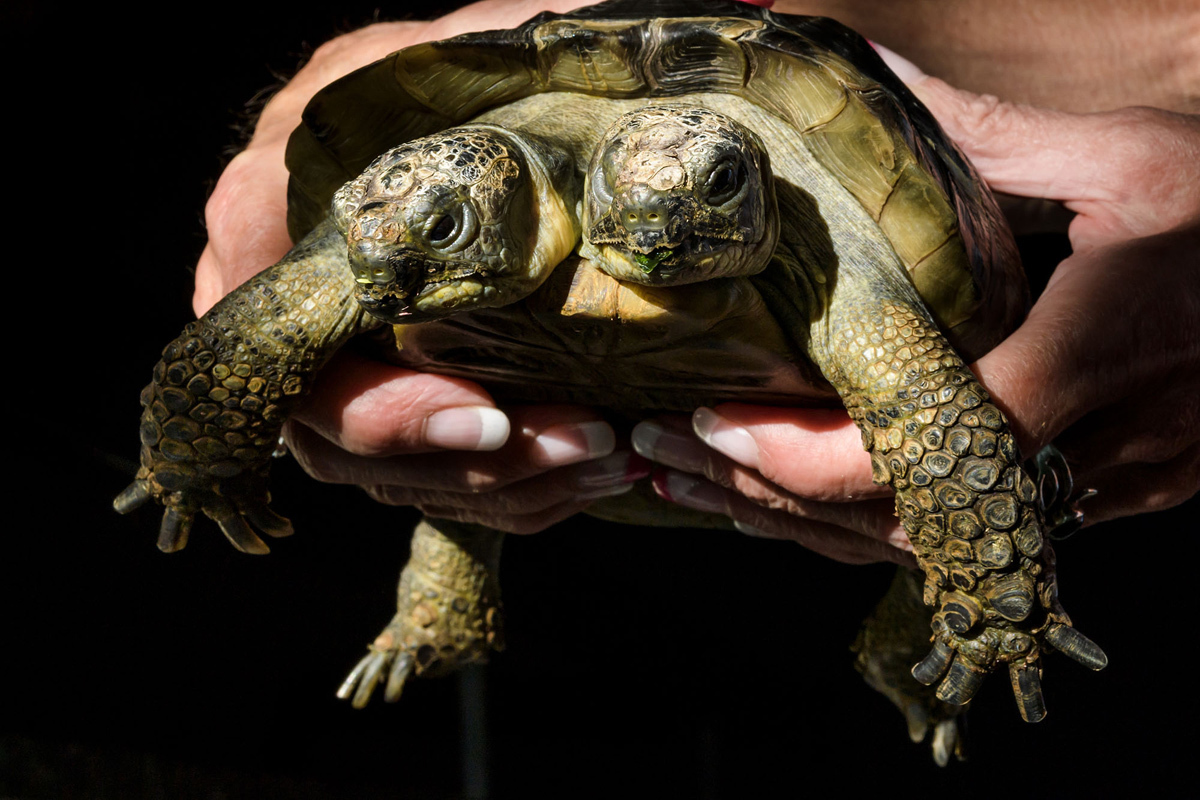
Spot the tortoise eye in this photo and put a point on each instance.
(441, 232)
(453, 231)
(724, 184)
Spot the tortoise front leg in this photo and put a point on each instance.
(970, 510)
(225, 386)
(448, 611)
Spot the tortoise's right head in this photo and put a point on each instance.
(678, 194)
(451, 222)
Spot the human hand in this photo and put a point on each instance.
(410, 438)
(1107, 365)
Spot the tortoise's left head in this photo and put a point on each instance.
(463, 219)
(678, 194)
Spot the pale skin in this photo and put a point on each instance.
(1107, 365)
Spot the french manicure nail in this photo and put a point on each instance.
(688, 490)
(466, 428)
(615, 470)
(569, 444)
(611, 491)
(665, 446)
(723, 436)
(750, 530)
(905, 70)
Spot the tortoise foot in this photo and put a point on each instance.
(961, 661)
(384, 656)
(447, 612)
(896, 633)
(234, 508)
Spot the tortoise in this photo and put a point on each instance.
(506, 235)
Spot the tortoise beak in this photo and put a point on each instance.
(387, 281)
(649, 223)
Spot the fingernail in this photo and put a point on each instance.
(750, 530)
(467, 428)
(611, 491)
(615, 470)
(723, 436)
(657, 443)
(688, 490)
(569, 444)
(905, 70)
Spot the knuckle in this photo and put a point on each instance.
(221, 208)
(985, 115)
(389, 495)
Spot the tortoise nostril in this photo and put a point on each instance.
(643, 210)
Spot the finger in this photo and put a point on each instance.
(812, 453)
(1147, 427)
(668, 443)
(1131, 172)
(370, 408)
(603, 477)
(1112, 324)
(829, 540)
(509, 523)
(1141, 488)
(1028, 215)
(544, 437)
(246, 219)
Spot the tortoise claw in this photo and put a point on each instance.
(948, 740)
(401, 669)
(173, 533)
(360, 684)
(237, 530)
(934, 665)
(1076, 646)
(1027, 689)
(961, 682)
(369, 679)
(262, 517)
(346, 690)
(134, 496)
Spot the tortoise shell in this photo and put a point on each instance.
(817, 76)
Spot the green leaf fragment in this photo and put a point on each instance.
(652, 260)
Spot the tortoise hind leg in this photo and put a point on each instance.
(896, 634)
(447, 611)
(970, 510)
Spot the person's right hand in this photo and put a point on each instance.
(409, 438)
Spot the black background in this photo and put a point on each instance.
(640, 662)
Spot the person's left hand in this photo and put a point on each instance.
(1107, 363)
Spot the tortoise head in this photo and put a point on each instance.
(463, 219)
(678, 194)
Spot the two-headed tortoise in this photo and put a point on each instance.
(646, 207)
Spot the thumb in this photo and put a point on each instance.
(1126, 173)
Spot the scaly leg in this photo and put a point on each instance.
(225, 386)
(447, 611)
(969, 509)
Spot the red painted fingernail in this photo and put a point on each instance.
(659, 482)
(638, 468)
